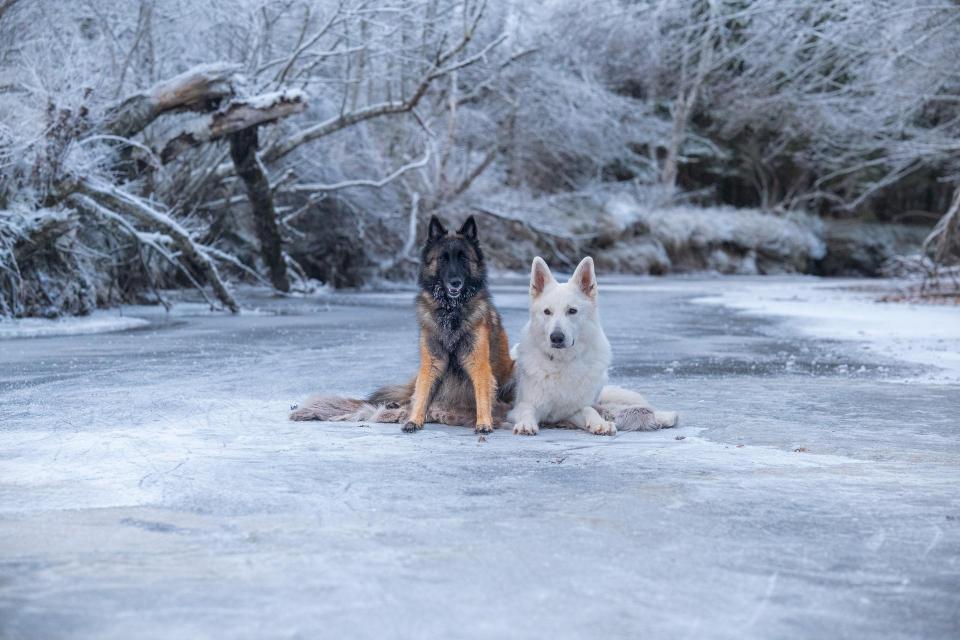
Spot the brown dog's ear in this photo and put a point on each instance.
(469, 229)
(436, 230)
(585, 278)
(540, 277)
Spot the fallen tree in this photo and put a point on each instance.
(117, 208)
(168, 183)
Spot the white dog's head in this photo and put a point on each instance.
(559, 311)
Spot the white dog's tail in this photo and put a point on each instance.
(630, 411)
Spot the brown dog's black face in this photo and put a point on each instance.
(451, 264)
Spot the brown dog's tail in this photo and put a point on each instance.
(387, 404)
(340, 409)
(393, 394)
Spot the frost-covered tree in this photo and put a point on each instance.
(169, 143)
(140, 128)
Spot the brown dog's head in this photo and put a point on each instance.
(451, 264)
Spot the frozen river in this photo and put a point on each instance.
(152, 487)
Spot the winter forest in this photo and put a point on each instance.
(154, 145)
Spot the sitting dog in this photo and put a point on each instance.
(562, 363)
(465, 374)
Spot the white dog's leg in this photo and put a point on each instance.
(524, 418)
(589, 420)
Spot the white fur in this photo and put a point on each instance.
(556, 385)
(562, 385)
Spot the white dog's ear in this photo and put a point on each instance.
(585, 278)
(540, 277)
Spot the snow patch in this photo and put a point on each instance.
(920, 334)
(267, 100)
(783, 235)
(94, 323)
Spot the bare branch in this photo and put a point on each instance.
(115, 198)
(283, 147)
(155, 241)
(376, 184)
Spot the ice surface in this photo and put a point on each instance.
(151, 486)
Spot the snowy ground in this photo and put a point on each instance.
(151, 486)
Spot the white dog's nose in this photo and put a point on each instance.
(557, 339)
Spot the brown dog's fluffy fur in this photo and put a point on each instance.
(465, 374)
(340, 409)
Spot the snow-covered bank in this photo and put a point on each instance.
(97, 322)
(839, 310)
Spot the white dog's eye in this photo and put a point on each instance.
(572, 312)
(547, 312)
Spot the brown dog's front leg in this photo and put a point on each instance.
(481, 375)
(430, 371)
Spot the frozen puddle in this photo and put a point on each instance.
(921, 334)
(98, 322)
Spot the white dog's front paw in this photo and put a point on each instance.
(602, 428)
(526, 429)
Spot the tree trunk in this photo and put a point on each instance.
(243, 150)
(668, 175)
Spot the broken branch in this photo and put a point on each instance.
(198, 89)
(238, 115)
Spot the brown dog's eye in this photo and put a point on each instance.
(572, 312)
(547, 312)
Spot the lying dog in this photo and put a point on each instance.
(562, 363)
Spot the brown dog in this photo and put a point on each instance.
(464, 354)
(465, 365)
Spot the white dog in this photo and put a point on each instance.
(562, 362)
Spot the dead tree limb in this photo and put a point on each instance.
(20, 238)
(200, 89)
(42, 229)
(116, 199)
(236, 116)
(155, 241)
(943, 242)
(243, 150)
(942, 246)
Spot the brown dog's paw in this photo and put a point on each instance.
(411, 426)
(483, 428)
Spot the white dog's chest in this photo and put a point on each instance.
(559, 389)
